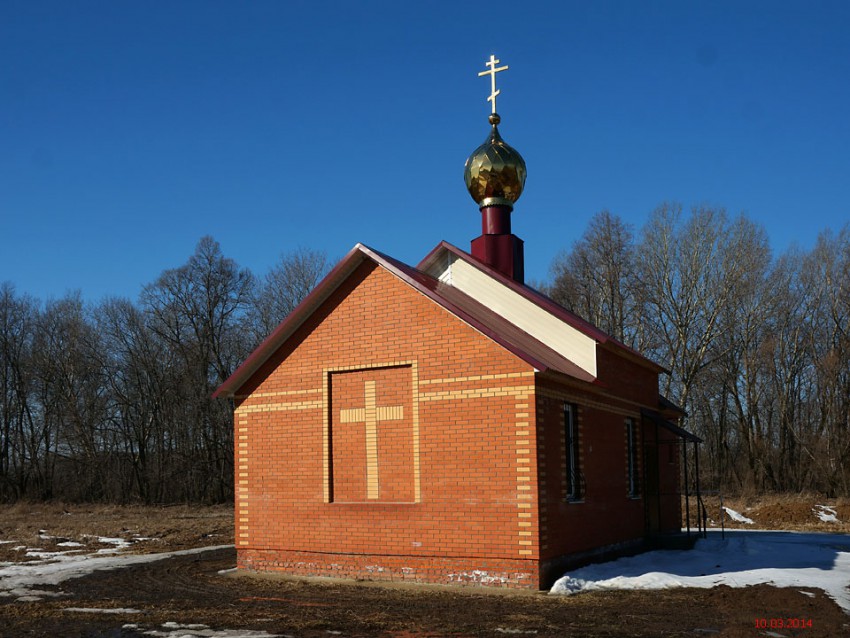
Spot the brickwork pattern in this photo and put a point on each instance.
(515, 574)
(384, 440)
(604, 515)
(389, 440)
(361, 469)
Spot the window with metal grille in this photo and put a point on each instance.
(573, 455)
(632, 457)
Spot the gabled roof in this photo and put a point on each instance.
(490, 323)
(439, 253)
(531, 350)
(292, 322)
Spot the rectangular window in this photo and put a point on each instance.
(573, 456)
(632, 457)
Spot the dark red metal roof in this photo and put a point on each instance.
(292, 322)
(492, 324)
(658, 419)
(462, 305)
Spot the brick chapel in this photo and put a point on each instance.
(445, 422)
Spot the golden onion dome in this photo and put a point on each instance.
(495, 172)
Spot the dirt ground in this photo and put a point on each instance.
(164, 529)
(191, 590)
(779, 511)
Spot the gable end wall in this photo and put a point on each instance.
(461, 412)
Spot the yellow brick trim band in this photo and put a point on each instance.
(241, 489)
(479, 377)
(278, 407)
(282, 393)
(417, 487)
(477, 393)
(523, 447)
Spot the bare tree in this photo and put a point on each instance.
(71, 439)
(595, 278)
(290, 280)
(758, 348)
(736, 388)
(141, 371)
(198, 310)
(825, 276)
(688, 270)
(114, 402)
(785, 346)
(17, 330)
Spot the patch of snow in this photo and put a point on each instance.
(6, 542)
(176, 630)
(93, 610)
(28, 595)
(744, 558)
(48, 555)
(736, 516)
(807, 593)
(177, 625)
(29, 599)
(18, 579)
(19, 548)
(826, 514)
(70, 544)
(119, 544)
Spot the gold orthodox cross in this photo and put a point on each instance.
(492, 71)
(371, 415)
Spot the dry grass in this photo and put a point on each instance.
(780, 511)
(45, 525)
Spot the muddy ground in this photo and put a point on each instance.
(190, 589)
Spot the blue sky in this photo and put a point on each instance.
(128, 130)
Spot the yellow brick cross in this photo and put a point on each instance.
(371, 415)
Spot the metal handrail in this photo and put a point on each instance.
(702, 517)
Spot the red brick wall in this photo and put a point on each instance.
(390, 456)
(605, 514)
(626, 378)
(447, 490)
(454, 501)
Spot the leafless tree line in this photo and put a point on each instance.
(758, 346)
(112, 401)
